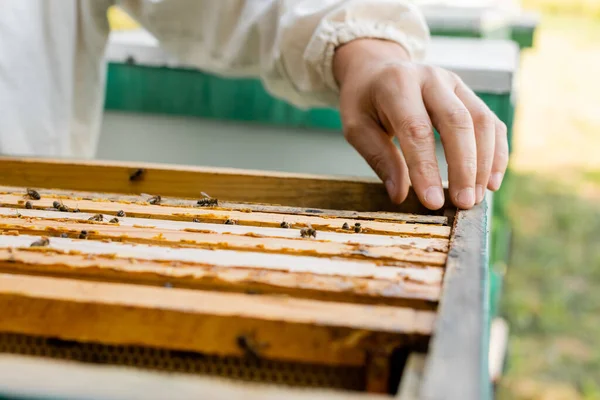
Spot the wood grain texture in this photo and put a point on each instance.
(207, 322)
(423, 243)
(404, 293)
(267, 208)
(378, 372)
(215, 215)
(232, 259)
(163, 237)
(457, 365)
(298, 190)
(70, 380)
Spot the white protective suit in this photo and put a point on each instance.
(52, 72)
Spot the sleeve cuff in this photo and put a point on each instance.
(330, 35)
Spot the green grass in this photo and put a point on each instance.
(552, 299)
(552, 288)
(584, 8)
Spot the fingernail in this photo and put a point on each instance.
(480, 193)
(434, 196)
(390, 186)
(496, 180)
(465, 198)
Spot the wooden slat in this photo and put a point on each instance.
(498, 347)
(412, 376)
(267, 208)
(314, 191)
(378, 372)
(163, 237)
(429, 244)
(228, 258)
(457, 366)
(208, 322)
(56, 379)
(242, 218)
(207, 277)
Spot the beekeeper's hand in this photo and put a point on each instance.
(385, 96)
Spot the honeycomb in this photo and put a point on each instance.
(247, 369)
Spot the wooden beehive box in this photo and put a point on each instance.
(238, 287)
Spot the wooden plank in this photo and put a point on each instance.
(267, 208)
(145, 210)
(412, 376)
(378, 372)
(206, 322)
(457, 366)
(424, 243)
(207, 277)
(498, 347)
(298, 190)
(56, 379)
(164, 237)
(234, 259)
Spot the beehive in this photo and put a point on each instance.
(279, 279)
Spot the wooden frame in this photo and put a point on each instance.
(299, 190)
(456, 366)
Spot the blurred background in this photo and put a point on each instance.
(540, 76)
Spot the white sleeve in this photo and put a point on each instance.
(289, 44)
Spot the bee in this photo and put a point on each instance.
(64, 235)
(137, 175)
(195, 220)
(28, 205)
(83, 235)
(60, 206)
(230, 222)
(76, 210)
(33, 194)
(207, 201)
(114, 221)
(249, 346)
(357, 228)
(346, 226)
(154, 200)
(97, 218)
(284, 225)
(308, 232)
(121, 213)
(43, 242)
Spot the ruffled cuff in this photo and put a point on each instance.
(408, 30)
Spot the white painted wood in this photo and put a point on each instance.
(485, 65)
(67, 380)
(478, 20)
(498, 347)
(228, 258)
(412, 376)
(370, 239)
